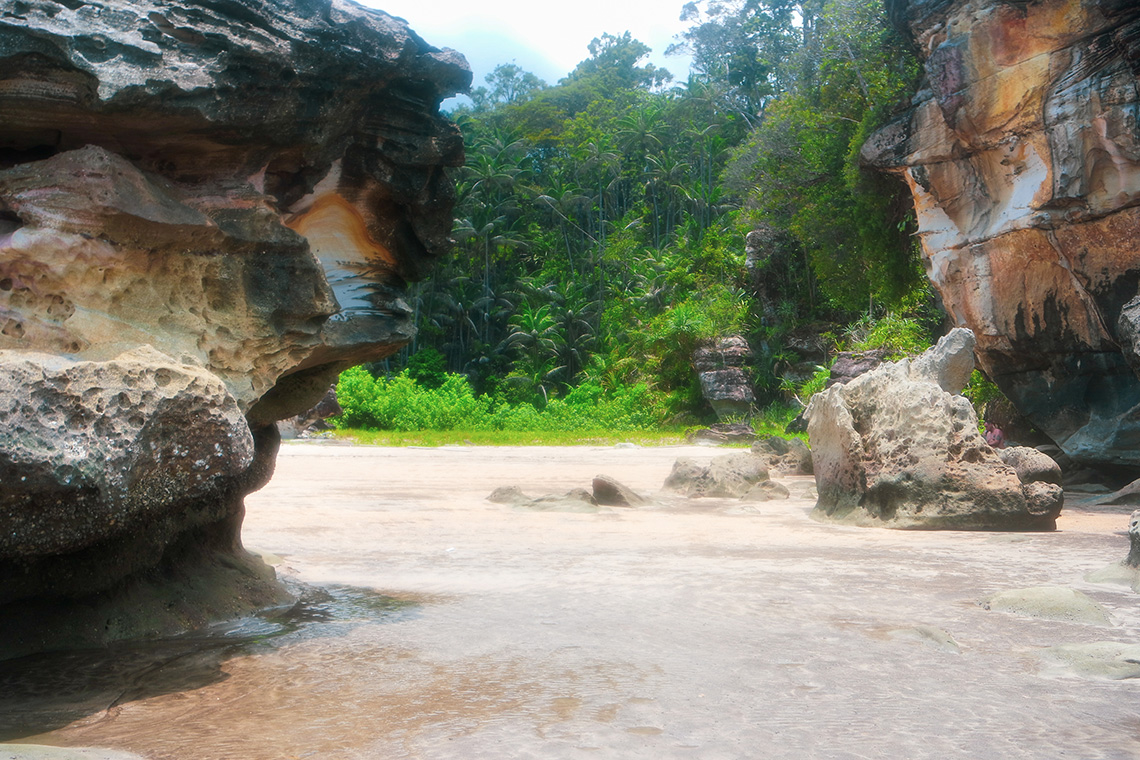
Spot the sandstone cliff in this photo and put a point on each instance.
(1023, 157)
(207, 210)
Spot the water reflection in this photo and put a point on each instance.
(43, 692)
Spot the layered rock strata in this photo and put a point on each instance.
(1023, 157)
(898, 447)
(207, 210)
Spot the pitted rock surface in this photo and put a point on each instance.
(896, 447)
(207, 210)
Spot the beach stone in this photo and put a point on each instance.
(509, 495)
(785, 456)
(611, 493)
(726, 432)
(574, 500)
(1098, 660)
(1051, 603)
(768, 490)
(897, 448)
(313, 420)
(1031, 465)
(728, 476)
(104, 457)
(1127, 571)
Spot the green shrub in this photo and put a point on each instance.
(399, 403)
(428, 367)
(902, 336)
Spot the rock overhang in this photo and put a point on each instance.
(207, 210)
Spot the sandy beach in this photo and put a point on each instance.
(459, 628)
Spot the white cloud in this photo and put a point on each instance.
(549, 39)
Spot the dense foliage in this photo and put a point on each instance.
(601, 221)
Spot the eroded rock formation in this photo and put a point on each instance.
(1023, 156)
(898, 447)
(207, 210)
(720, 367)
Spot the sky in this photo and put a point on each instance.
(547, 38)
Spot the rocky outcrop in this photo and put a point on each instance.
(898, 447)
(721, 369)
(207, 210)
(1023, 157)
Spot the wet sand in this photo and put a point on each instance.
(711, 629)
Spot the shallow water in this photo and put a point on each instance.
(457, 628)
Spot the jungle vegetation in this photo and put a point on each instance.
(601, 225)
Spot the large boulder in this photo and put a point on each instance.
(1023, 158)
(898, 447)
(207, 210)
(729, 476)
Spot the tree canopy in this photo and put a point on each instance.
(601, 221)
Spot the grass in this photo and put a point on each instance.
(767, 422)
(663, 437)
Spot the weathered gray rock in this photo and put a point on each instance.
(849, 365)
(721, 369)
(893, 448)
(723, 432)
(314, 420)
(728, 476)
(1133, 558)
(512, 495)
(1023, 159)
(785, 456)
(1050, 602)
(574, 500)
(207, 210)
(1031, 465)
(609, 492)
(1097, 660)
(1127, 571)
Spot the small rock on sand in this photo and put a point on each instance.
(1100, 660)
(609, 492)
(1050, 603)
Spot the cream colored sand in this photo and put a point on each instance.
(709, 629)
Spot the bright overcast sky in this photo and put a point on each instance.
(547, 38)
